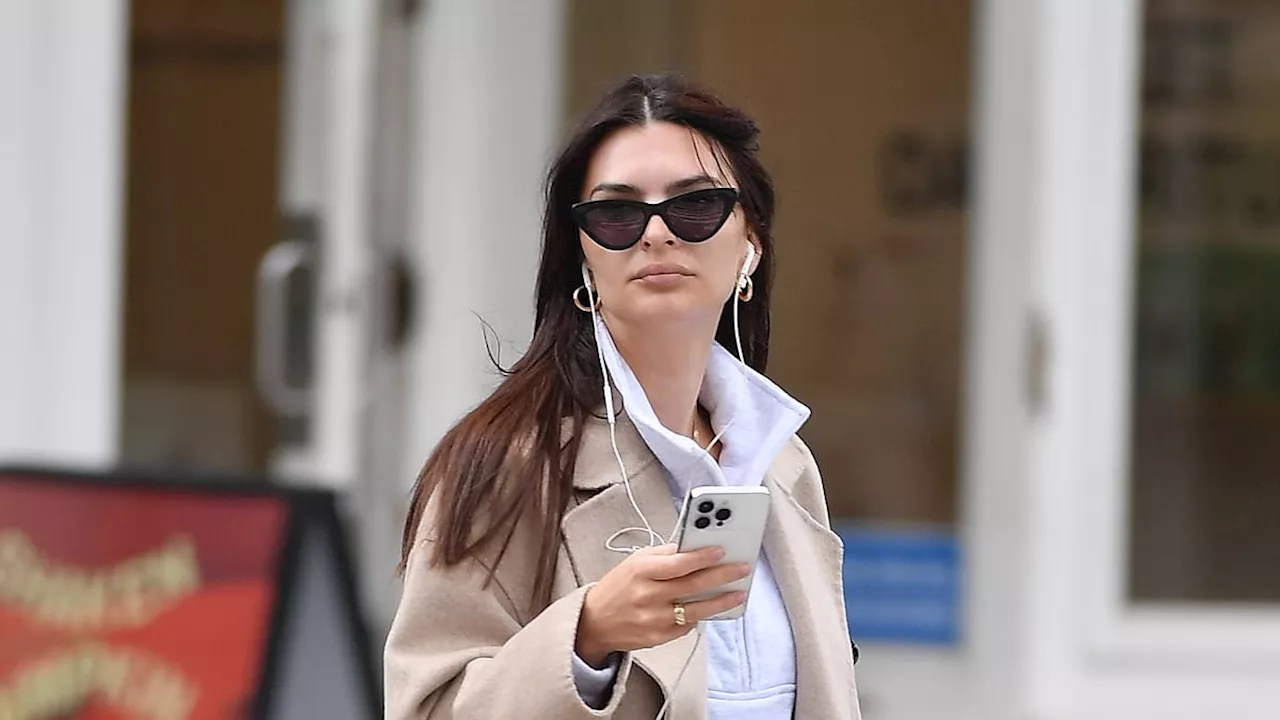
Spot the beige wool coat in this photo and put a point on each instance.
(458, 651)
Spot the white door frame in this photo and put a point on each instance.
(376, 497)
(989, 674)
(1119, 659)
(1048, 504)
(63, 75)
(330, 92)
(489, 112)
(999, 670)
(344, 288)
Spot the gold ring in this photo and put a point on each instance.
(681, 620)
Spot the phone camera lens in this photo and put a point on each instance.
(702, 523)
(723, 514)
(706, 506)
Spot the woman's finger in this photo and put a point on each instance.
(667, 549)
(700, 610)
(701, 581)
(668, 567)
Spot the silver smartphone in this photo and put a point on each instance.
(729, 517)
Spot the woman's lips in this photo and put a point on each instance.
(662, 273)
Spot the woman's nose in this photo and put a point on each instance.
(657, 232)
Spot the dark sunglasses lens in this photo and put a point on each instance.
(615, 226)
(699, 215)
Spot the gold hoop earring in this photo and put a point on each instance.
(578, 303)
(748, 291)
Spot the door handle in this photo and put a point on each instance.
(279, 268)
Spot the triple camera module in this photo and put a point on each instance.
(706, 509)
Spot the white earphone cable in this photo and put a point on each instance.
(666, 704)
(737, 333)
(743, 276)
(653, 537)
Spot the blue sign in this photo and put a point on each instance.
(901, 584)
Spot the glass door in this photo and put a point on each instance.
(1205, 461)
(204, 107)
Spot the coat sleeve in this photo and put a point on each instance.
(458, 651)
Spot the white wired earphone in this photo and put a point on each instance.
(744, 277)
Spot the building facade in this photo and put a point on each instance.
(1029, 257)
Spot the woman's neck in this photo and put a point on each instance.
(670, 363)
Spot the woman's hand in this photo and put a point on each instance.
(633, 605)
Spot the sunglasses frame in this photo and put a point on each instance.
(579, 212)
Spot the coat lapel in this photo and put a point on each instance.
(807, 560)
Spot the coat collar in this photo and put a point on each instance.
(596, 467)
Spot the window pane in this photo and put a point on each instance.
(1206, 405)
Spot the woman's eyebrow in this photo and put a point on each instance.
(673, 188)
(692, 182)
(619, 188)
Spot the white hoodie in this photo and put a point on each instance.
(751, 669)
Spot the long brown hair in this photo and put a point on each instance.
(507, 458)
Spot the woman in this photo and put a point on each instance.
(537, 582)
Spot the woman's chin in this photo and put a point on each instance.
(667, 307)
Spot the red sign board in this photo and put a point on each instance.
(119, 600)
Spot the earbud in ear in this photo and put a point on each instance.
(746, 266)
(586, 278)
